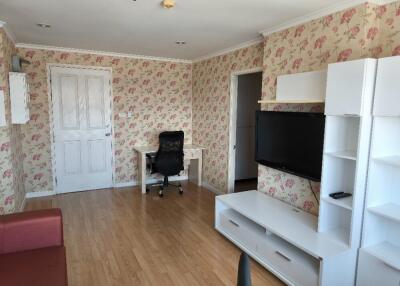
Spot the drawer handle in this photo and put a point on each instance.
(234, 223)
(283, 256)
(351, 115)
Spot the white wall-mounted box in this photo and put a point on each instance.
(19, 94)
(3, 121)
(307, 86)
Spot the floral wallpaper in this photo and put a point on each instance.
(158, 93)
(12, 191)
(211, 96)
(160, 96)
(366, 30)
(346, 35)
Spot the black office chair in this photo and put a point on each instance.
(244, 276)
(168, 161)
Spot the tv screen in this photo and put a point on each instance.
(291, 142)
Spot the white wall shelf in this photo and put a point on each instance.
(387, 252)
(346, 203)
(345, 154)
(291, 101)
(390, 160)
(380, 246)
(346, 149)
(390, 211)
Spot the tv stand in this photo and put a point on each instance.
(283, 239)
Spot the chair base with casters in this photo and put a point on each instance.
(163, 185)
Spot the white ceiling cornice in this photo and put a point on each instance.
(9, 33)
(320, 13)
(101, 53)
(230, 49)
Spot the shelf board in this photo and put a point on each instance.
(344, 154)
(346, 203)
(291, 101)
(386, 252)
(390, 160)
(390, 211)
(340, 235)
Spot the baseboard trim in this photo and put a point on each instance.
(211, 188)
(149, 181)
(22, 206)
(31, 195)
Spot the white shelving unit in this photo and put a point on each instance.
(380, 248)
(19, 95)
(299, 248)
(346, 149)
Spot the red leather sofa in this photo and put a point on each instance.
(32, 249)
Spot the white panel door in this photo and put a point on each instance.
(82, 129)
(387, 92)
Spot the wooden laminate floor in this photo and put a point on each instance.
(121, 237)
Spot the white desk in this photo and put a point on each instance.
(194, 153)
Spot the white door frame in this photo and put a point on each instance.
(51, 118)
(232, 124)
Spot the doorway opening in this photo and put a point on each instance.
(245, 93)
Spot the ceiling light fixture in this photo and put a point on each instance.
(168, 4)
(43, 25)
(180, 43)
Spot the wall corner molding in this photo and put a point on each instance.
(230, 49)
(100, 53)
(343, 5)
(8, 31)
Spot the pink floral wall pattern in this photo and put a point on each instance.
(160, 96)
(11, 182)
(211, 101)
(158, 93)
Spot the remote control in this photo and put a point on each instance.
(340, 196)
(335, 194)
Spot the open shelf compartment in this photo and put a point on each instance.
(335, 222)
(387, 252)
(341, 136)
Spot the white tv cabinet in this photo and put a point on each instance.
(283, 239)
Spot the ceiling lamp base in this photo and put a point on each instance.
(168, 4)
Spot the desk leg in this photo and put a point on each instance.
(199, 170)
(143, 172)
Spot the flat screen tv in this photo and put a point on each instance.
(291, 142)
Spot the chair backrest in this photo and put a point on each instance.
(169, 158)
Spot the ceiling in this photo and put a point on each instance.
(143, 27)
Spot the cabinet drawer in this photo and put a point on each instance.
(296, 265)
(372, 272)
(241, 229)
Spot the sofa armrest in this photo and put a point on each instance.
(31, 230)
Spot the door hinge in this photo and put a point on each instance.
(56, 181)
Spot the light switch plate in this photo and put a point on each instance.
(2, 110)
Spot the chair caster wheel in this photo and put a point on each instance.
(180, 190)
(160, 193)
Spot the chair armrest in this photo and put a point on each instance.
(31, 230)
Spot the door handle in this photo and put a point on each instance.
(108, 134)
